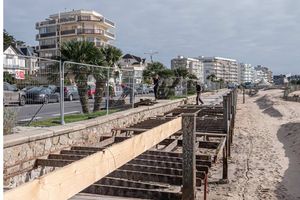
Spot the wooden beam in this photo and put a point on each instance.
(73, 178)
(189, 157)
(219, 149)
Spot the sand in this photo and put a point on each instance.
(265, 161)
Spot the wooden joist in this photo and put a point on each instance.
(73, 178)
(132, 192)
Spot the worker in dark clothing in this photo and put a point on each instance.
(199, 90)
(155, 88)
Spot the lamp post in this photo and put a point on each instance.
(151, 53)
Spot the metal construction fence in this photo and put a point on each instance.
(57, 90)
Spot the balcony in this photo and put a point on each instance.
(44, 23)
(110, 35)
(90, 31)
(65, 20)
(50, 46)
(68, 32)
(106, 21)
(42, 35)
(88, 18)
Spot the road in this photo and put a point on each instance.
(25, 113)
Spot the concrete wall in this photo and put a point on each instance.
(22, 149)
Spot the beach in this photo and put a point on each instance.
(265, 159)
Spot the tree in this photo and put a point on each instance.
(80, 52)
(107, 56)
(10, 40)
(7, 77)
(212, 78)
(152, 69)
(181, 72)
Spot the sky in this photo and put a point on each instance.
(259, 32)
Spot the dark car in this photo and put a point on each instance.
(12, 95)
(70, 92)
(42, 94)
(27, 88)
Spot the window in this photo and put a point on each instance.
(90, 39)
(47, 42)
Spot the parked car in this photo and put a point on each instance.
(70, 92)
(91, 91)
(12, 95)
(42, 94)
(27, 88)
(150, 88)
(143, 89)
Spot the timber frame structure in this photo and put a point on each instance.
(157, 158)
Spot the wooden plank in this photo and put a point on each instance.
(219, 149)
(73, 178)
(132, 192)
(131, 129)
(171, 146)
(176, 154)
(198, 134)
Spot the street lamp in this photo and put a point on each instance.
(151, 53)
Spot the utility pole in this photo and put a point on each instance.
(151, 53)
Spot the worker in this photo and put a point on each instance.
(198, 90)
(155, 88)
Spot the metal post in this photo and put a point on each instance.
(243, 95)
(225, 149)
(189, 156)
(107, 92)
(186, 87)
(61, 75)
(133, 98)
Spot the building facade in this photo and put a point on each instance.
(262, 73)
(80, 25)
(131, 63)
(14, 63)
(31, 60)
(246, 72)
(193, 65)
(223, 68)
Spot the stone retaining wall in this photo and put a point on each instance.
(22, 149)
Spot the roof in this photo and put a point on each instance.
(17, 51)
(138, 59)
(27, 51)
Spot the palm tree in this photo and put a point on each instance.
(81, 52)
(212, 78)
(108, 56)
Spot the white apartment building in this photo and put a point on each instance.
(262, 73)
(14, 63)
(246, 73)
(80, 25)
(194, 66)
(222, 68)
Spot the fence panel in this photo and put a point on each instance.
(31, 88)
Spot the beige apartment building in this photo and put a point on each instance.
(193, 65)
(223, 68)
(80, 25)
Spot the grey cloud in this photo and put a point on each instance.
(253, 31)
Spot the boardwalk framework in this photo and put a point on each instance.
(150, 159)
